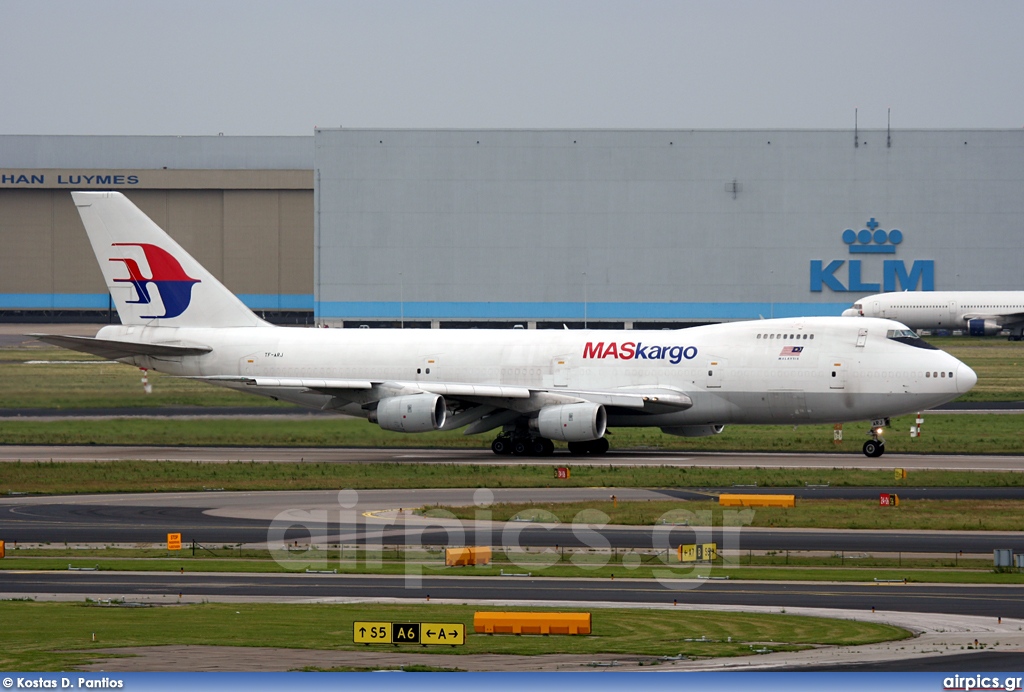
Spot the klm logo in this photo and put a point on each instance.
(872, 240)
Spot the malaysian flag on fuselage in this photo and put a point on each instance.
(792, 351)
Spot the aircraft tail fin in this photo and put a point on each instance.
(151, 279)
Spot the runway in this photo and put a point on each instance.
(839, 460)
(372, 517)
(991, 601)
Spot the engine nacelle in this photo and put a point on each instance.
(573, 422)
(412, 413)
(983, 327)
(694, 430)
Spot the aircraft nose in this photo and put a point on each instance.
(965, 378)
(850, 312)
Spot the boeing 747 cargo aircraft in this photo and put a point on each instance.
(535, 386)
(979, 313)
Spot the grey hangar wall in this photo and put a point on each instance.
(659, 226)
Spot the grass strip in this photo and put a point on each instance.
(58, 636)
(849, 567)
(911, 515)
(943, 434)
(998, 363)
(57, 477)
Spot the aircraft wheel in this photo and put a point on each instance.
(520, 448)
(502, 446)
(874, 448)
(549, 447)
(598, 446)
(538, 448)
(578, 449)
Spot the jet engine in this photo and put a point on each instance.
(983, 327)
(573, 422)
(412, 413)
(694, 430)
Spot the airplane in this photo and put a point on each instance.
(979, 313)
(536, 386)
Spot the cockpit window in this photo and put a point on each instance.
(910, 338)
(857, 306)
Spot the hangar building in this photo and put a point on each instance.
(536, 227)
(243, 206)
(648, 228)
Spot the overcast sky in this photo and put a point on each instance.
(282, 68)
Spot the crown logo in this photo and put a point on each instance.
(872, 240)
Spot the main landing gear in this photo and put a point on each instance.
(522, 445)
(530, 446)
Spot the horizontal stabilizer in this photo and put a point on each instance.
(109, 348)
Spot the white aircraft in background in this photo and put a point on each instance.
(979, 313)
(535, 385)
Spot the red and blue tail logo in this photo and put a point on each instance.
(174, 284)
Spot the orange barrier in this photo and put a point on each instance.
(531, 623)
(459, 557)
(728, 500)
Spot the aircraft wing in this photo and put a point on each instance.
(516, 399)
(340, 387)
(1004, 319)
(108, 348)
(651, 399)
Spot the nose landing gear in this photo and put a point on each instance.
(875, 447)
